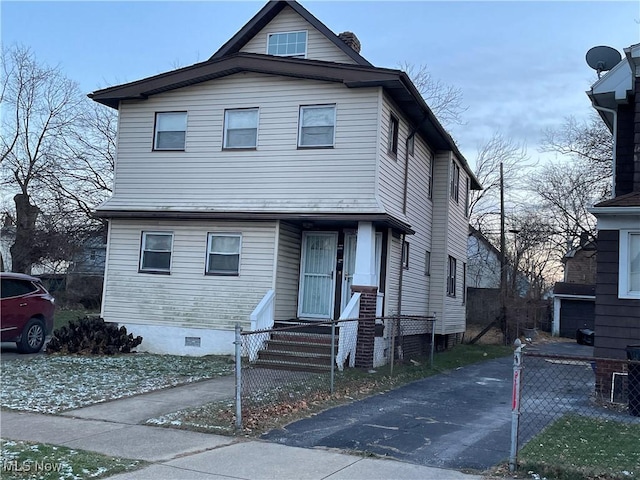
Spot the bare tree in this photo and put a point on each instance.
(588, 142)
(444, 100)
(484, 204)
(563, 191)
(47, 150)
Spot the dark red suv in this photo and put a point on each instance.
(26, 309)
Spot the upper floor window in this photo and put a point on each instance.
(394, 126)
(427, 263)
(411, 145)
(629, 264)
(223, 254)
(155, 252)
(317, 126)
(241, 128)
(287, 44)
(455, 180)
(451, 277)
(467, 193)
(432, 166)
(405, 255)
(170, 131)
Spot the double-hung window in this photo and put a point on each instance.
(241, 128)
(394, 126)
(170, 131)
(155, 252)
(317, 126)
(629, 264)
(455, 180)
(451, 277)
(223, 254)
(405, 255)
(287, 44)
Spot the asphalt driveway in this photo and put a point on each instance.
(460, 419)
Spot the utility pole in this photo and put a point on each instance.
(503, 264)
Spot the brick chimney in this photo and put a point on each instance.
(350, 39)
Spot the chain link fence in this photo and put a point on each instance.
(305, 362)
(552, 391)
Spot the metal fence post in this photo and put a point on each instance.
(333, 354)
(238, 344)
(393, 344)
(433, 339)
(515, 405)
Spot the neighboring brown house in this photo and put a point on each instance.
(574, 297)
(616, 96)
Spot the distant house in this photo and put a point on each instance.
(483, 270)
(283, 178)
(574, 297)
(616, 96)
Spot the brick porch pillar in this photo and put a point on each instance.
(366, 325)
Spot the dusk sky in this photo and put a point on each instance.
(520, 65)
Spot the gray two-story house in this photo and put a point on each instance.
(274, 181)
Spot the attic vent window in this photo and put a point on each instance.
(287, 44)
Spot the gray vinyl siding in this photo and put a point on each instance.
(288, 272)
(277, 176)
(391, 167)
(457, 226)
(186, 297)
(318, 46)
(415, 285)
(393, 275)
(616, 319)
(440, 237)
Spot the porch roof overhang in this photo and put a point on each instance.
(381, 219)
(395, 82)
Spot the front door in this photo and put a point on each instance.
(317, 281)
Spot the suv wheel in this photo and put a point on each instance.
(32, 338)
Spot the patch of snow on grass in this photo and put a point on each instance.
(52, 384)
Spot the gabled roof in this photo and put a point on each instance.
(395, 82)
(629, 200)
(268, 13)
(616, 85)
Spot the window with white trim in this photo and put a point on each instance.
(427, 263)
(629, 264)
(394, 127)
(223, 254)
(432, 166)
(451, 277)
(155, 252)
(405, 255)
(170, 131)
(455, 180)
(317, 126)
(287, 44)
(467, 198)
(240, 128)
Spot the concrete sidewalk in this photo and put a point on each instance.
(179, 454)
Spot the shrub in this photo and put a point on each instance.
(92, 335)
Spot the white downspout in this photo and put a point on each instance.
(615, 142)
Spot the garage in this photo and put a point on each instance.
(573, 308)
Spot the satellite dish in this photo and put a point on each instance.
(603, 58)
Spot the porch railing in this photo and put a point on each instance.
(348, 333)
(262, 318)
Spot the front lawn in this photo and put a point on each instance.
(55, 383)
(579, 448)
(35, 461)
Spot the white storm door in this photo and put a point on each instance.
(317, 285)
